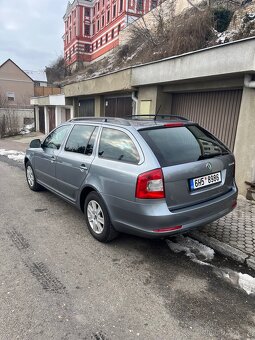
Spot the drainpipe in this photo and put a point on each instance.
(135, 102)
(248, 82)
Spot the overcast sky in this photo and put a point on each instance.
(31, 32)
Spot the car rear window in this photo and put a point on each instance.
(178, 145)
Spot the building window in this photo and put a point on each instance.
(93, 29)
(96, 44)
(87, 12)
(10, 96)
(119, 26)
(103, 21)
(98, 25)
(121, 5)
(87, 29)
(108, 17)
(106, 37)
(98, 6)
(87, 48)
(94, 11)
(114, 11)
(101, 41)
(112, 33)
(139, 5)
(103, 2)
(154, 4)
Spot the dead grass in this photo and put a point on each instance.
(182, 34)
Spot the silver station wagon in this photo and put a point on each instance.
(152, 177)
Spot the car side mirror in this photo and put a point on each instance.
(35, 143)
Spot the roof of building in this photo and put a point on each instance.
(11, 61)
(33, 75)
(37, 75)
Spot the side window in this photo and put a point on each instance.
(117, 145)
(55, 139)
(79, 138)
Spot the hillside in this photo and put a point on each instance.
(196, 28)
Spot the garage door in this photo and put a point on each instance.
(118, 106)
(216, 111)
(87, 108)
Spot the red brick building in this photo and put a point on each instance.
(92, 26)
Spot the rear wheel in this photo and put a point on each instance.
(31, 181)
(97, 218)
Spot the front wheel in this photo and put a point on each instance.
(97, 218)
(30, 176)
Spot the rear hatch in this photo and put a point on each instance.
(196, 166)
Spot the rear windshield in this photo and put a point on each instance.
(178, 145)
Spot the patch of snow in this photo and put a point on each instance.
(195, 250)
(19, 157)
(239, 280)
(199, 253)
(225, 36)
(247, 283)
(132, 56)
(27, 129)
(13, 154)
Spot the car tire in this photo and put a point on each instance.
(31, 180)
(97, 218)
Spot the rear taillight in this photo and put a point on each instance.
(150, 185)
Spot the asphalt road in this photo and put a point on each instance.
(57, 282)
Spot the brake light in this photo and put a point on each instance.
(150, 185)
(174, 125)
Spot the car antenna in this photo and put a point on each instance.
(155, 117)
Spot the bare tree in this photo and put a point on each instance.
(57, 70)
(9, 124)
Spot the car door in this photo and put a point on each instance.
(45, 158)
(74, 160)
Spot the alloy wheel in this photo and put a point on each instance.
(95, 216)
(30, 176)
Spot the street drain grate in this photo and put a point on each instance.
(18, 239)
(46, 279)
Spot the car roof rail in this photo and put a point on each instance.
(121, 121)
(159, 116)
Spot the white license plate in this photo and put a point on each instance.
(204, 181)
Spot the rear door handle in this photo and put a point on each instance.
(83, 167)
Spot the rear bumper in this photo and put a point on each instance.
(143, 218)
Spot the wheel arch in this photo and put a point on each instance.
(26, 159)
(84, 193)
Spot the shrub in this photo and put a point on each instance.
(222, 18)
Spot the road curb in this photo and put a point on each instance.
(251, 262)
(225, 249)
